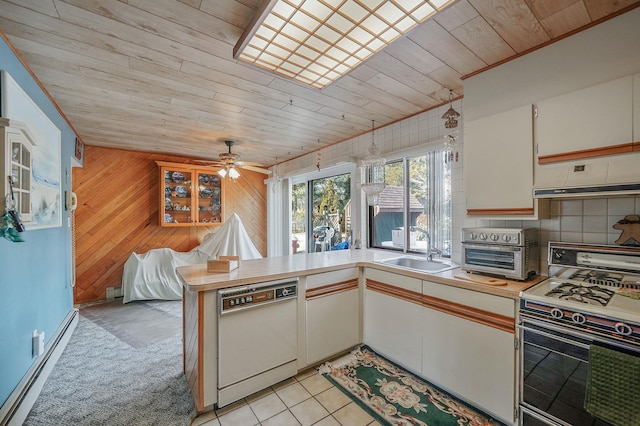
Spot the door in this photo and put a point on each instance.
(392, 325)
(255, 340)
(321, 213)
(498, 169)
(478, 363)
(586, 119)
(333, 313)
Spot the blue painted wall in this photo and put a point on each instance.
(35, 276)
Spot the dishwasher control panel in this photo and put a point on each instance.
(236, 298)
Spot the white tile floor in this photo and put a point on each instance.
(304, 400)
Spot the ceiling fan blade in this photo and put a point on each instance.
(249, 163)
(209, 161)
(256, 169)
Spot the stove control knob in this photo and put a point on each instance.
(557, 313)
(472, 236)
(506, 238)
(495, 237)
(578, 318)
(483, 236)
(285, 292)
(623, 329)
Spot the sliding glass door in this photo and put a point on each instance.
(321, 214)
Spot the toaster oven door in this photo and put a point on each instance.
(493, 259)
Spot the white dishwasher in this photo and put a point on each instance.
(257, 337)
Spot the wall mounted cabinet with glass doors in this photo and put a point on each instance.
(190, 195)
(16, 163)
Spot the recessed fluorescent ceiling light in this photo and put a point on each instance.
(318, 41)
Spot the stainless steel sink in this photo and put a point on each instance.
(423, 265)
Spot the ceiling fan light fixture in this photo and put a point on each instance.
(315, 43)
(233, 173)
(229, 164)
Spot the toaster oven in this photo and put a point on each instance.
(506, 252)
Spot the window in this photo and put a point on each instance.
(18, 154)
(321, 214)
(299, 217)
(417, 197)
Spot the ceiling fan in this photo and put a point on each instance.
(229, 163)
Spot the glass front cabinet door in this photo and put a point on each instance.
(209, 198)
(190, 195)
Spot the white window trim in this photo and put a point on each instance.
(400, 155)
(26, 139)
(279, 219)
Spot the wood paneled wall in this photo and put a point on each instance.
(117, 214)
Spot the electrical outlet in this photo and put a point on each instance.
(114, 292)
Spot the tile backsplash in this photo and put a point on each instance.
(587, 220)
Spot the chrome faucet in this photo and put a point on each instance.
(430, 249)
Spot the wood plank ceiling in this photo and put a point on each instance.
(159, 76)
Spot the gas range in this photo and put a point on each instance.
(588, 285)
(589, 297)
(579, 331)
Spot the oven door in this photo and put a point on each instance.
(493, 259)
(554, 370)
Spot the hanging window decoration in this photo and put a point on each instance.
(372, 169)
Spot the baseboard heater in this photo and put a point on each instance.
(15, 410)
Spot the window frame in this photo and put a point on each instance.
(405, 158)
(16, 133)
(307, 178)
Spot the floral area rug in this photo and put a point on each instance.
(394, 396)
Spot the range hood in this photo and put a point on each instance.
(593, 177)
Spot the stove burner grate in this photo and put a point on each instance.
(580, 293)
(604, 278)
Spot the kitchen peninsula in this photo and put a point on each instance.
(346, 298)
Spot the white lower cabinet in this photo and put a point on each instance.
(468, 347)
(460, 340)
(392, 317)
(332, 313)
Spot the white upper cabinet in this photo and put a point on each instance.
(587, 119)
(589, 138)
(498, 165)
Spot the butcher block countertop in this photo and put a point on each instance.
(196, 277)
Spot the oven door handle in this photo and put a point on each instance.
(559, 338)
(494, 247)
